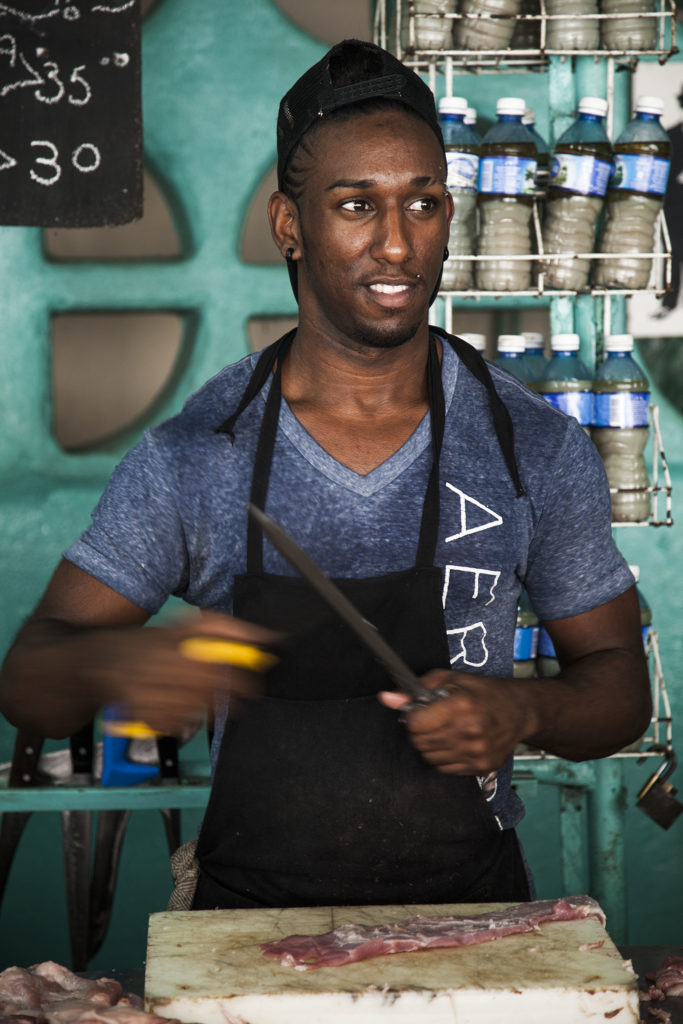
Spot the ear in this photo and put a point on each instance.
(284, 225)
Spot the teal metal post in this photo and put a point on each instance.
(572, 830)
(606, 806)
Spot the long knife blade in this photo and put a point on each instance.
(403, 676)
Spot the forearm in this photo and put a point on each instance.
(598, 704)
(44, 687)
(594, 707)
(58, 674)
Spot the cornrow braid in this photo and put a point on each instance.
(298, 165)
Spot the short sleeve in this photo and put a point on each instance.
(135, 543)
(574, 564)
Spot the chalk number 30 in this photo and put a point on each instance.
(85, 158)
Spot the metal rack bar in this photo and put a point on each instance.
(509, 58)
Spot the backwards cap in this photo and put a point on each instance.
(350, 72)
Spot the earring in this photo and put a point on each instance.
(446, 254)
(288, 254)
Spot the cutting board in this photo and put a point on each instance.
(205, 967)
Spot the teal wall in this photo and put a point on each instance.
(211, 87)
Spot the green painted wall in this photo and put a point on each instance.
(211, 87)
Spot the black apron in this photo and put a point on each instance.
(319, 798)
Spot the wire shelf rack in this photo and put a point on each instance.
(538, 260)
(399, 26)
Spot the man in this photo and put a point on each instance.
(431, 487)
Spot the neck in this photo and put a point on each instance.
(360, 406)
(330, 374)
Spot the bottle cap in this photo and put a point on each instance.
(477, 341)
(635, 572)
(564, 342)
(593, 105)
(528, 117)
(533, 340)
(512, 106)
(510, 343)
(452, 105)
(619, 343)
(470, 116)
(649, 105)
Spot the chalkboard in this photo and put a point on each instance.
(70, 118)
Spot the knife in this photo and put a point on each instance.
(404, 678)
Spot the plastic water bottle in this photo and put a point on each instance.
(527, 34)
(490, 24)
(477, 341)
(635, 196)
(534, 353)
(525, 646)
(542, 154)
(624, 33)
(572, 32)
(645, 610)
(579, 173)
(462, 156)
(507, 175)
(620, 428)
(547, 664)
(566, 383)
(471, 119)
(511, 357)
(431, 30)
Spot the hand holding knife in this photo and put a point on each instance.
(214, 650)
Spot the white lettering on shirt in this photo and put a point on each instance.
(473, 650)
(471, 520)
(489, 585)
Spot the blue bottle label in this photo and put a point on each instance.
(545, 645)
(525, 644)
(581, 173)
(578, 404)
(507, 175)
(640, 173)
(463, 170)
(621, 409)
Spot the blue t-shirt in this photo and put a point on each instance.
(173, 517)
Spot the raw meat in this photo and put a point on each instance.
(48, 993)
(350, 943)
(668, 980)
(658, 1014)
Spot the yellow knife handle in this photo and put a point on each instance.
(227, 652)
(130, 730)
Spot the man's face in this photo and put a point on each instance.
(373, 223)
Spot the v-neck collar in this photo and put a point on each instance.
(370, 483)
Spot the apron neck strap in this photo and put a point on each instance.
(429, 526)
(260, 374)
(261, 474)
(502, 421)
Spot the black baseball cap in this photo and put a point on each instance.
(352, 71)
